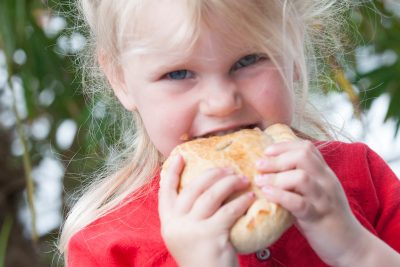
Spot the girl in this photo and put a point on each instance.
(190, 69)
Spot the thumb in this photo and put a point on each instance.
(169, 181)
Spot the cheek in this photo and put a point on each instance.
(166, 123)
(166, 116)
(271, 97)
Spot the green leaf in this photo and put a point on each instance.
(7, 34)
(4, 236)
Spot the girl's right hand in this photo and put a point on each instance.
(195, 222)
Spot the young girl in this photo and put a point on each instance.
(189, 69)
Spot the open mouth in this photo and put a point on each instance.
(228, 131)
(186, 137)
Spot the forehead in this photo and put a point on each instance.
(162, 17)
(175, 26)
(158, 25)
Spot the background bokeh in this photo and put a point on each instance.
(46, 149)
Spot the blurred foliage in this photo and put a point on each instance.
(379, 36)
(34, 62)
(4, 236)
(40, 60)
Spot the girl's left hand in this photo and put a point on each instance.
(295, 175)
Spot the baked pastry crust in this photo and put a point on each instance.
(264, 222)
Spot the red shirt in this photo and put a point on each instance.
(130, 235)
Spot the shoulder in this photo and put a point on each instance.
(331, 149)
(356, 165)
(353, 159)
(350, 157)
(128, 235)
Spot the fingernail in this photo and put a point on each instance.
(176, 158)
(260, 163)
(269, 150)
(251, 194)
(268, 190)
(245, 179)
(228, 170)
(258, 179)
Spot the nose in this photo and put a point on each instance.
(220, 98)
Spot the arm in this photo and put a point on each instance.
(369, 251)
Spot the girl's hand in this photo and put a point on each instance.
(295, 175)
(195, 223)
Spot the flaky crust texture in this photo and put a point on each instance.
(264, 222)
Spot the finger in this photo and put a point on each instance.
(230, 212)
(169, 180)
(282, 147)
(291, 201)
(197, 186)
(293, 180)
(296, 158)
(211, 199)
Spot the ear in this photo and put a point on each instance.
(116, 78)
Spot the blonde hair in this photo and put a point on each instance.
(292, 32)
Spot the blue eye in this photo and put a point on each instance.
(247, 61)
(179, 75)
